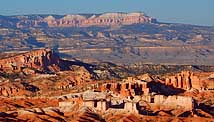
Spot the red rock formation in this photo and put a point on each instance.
(14, 89)
(131, 87)
(185, 80)
(77, 77)
(184, 102)
(39, 59)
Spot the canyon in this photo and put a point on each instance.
(105, 67)
(75, 89)
(88, 37)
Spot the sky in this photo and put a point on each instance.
(197, 12)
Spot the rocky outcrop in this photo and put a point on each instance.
(7, 91)
(15, 89)
(39, 59)
(78, 76)
(130, 87)
(184, 80)
(186, 103)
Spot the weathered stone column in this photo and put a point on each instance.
(168, 81)
(188, 85)
(180, 85)
(174, 81)
(103, 88)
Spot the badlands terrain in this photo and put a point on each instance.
(40, 86)
(111, 67)
(124, 38)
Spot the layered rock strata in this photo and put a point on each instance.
(106, 19)
(184, 80)
(39, 59)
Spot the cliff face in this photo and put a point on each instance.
(79, 20)
(186, 80)
(101, 20)
(39, 59)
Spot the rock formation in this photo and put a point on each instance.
(74, 78)
(12, 89)
(184, 80)
(39, 59)
(130, 87)
(106, 19)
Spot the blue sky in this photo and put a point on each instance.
(199, 12)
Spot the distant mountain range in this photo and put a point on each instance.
(75, 20)
(115, 37)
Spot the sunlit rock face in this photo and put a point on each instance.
(106, 19)
(39, 59)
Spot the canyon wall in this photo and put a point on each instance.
(39, 59)
(185, 80)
